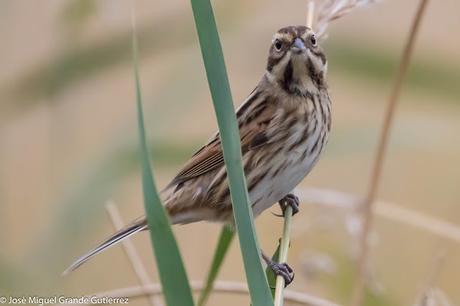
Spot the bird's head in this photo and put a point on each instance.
(296, 61)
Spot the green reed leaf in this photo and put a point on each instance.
(271, 276)
(220, 91)
(176, 287)
(225, 239)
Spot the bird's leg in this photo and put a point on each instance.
(281, 269)
(290, 200)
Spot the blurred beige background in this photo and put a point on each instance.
(68, 140)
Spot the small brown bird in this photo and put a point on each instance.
(284, 126)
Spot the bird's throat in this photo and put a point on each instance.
(296, 79)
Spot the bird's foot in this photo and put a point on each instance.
(292, 201)
(283, 270)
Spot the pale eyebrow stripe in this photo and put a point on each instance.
(282, 35)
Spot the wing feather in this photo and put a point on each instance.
(252, 136)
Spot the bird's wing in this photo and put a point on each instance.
(210, 156)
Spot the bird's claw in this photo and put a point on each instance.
(292, 201)
(283, 270)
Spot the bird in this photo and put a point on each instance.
(284, 126)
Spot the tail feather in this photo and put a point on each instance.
(132, 229)
(183, 217)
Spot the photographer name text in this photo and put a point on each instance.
(62, 300)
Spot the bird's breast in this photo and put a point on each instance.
(300, 142)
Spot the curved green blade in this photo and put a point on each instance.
(176, 287)
(220, 91)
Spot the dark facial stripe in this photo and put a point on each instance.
(287, 76)
(320, 80)
(317, 78)
(273, 61)
(319, 54)
(311, 71)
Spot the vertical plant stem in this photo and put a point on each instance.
(310, 13)
(358, 290)
(131, 253)
(284, 247)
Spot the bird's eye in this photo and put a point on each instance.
(278, 44)
(313, 40)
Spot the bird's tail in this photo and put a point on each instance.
(133, 228)
(182, 216)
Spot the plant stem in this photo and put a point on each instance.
(310, 13)
(237, 288)
(358, 289)
(131, 252)
(285, 241)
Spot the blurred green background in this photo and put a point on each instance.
(68, 140)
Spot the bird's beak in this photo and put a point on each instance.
(298, 45)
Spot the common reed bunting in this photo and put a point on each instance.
(284, 126)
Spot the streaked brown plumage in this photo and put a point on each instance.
(284, 125)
